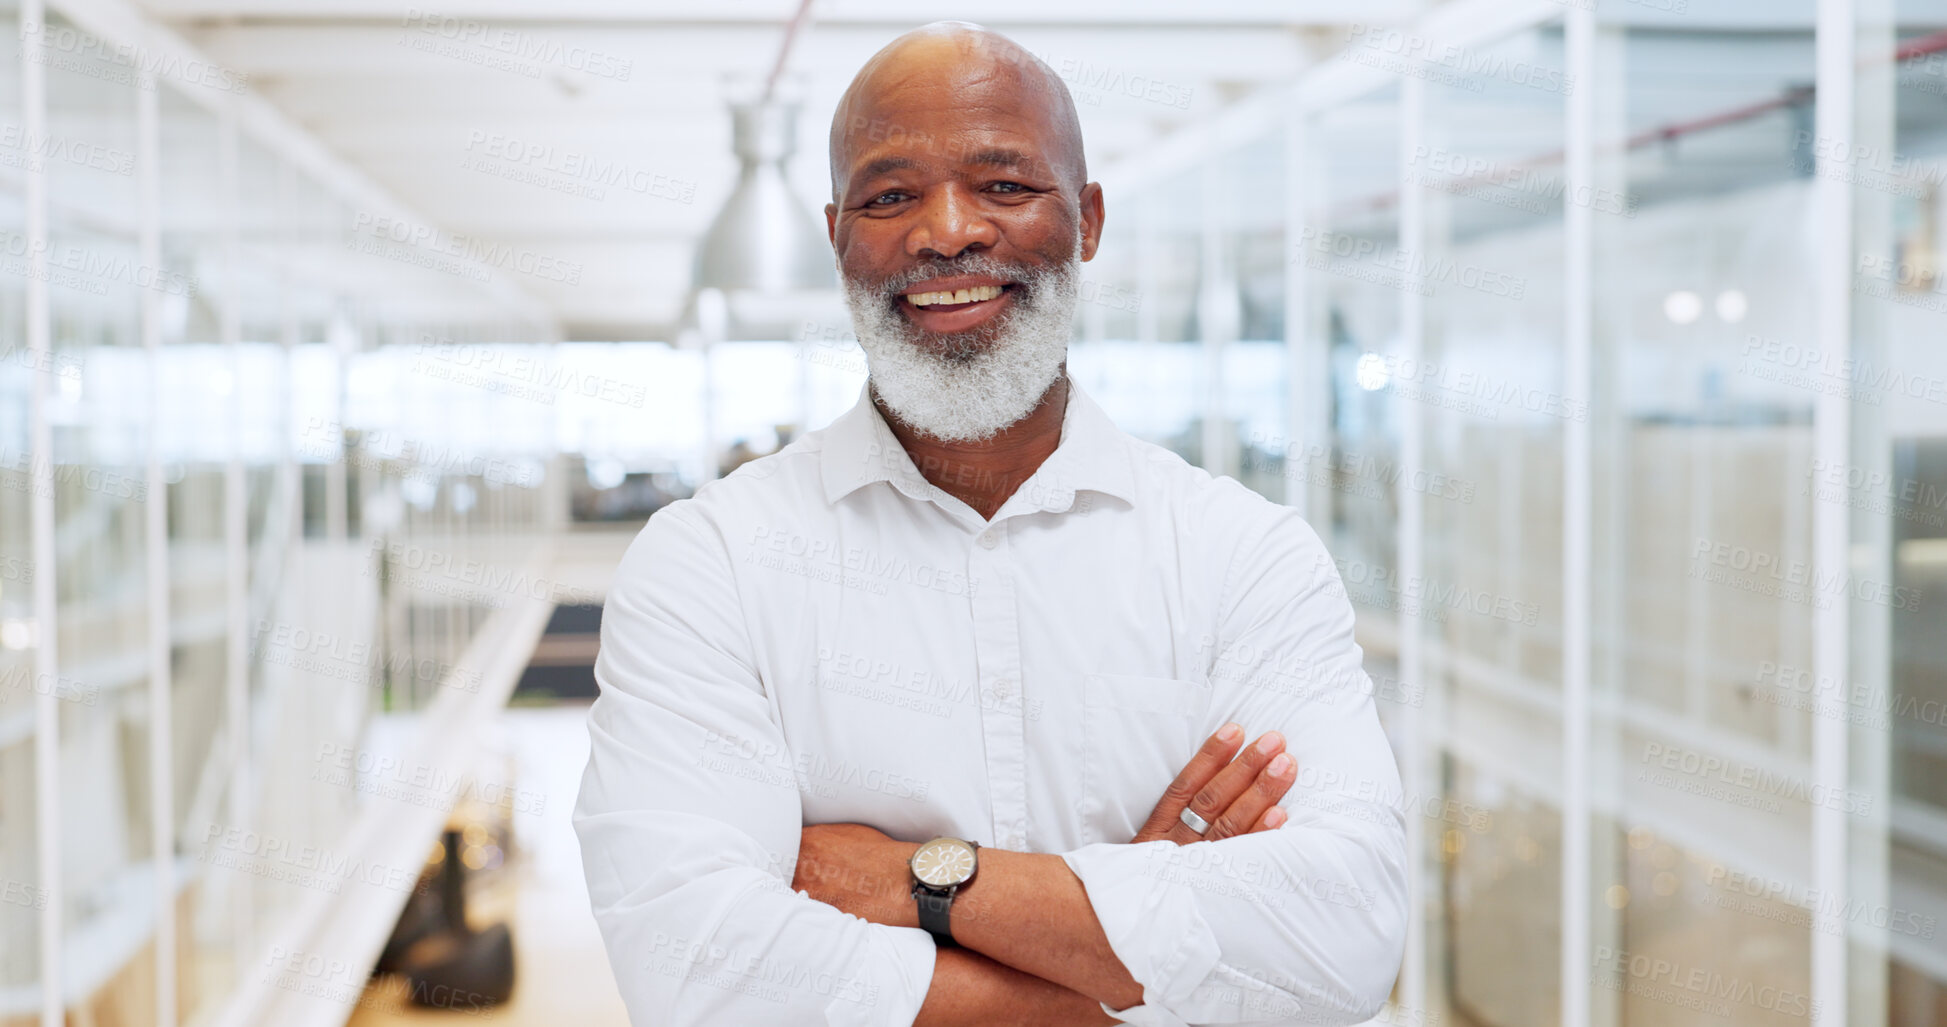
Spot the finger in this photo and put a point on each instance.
(1227, 784)
(1211, 757)
(1263, 792)
(1272, 819)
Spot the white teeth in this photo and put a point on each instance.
(973, 295)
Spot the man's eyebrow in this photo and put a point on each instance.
(1002, 158)
(997, 157)
(885, 164)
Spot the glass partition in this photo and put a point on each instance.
(96, 277)
(1892, 701)
(1355, 303)
(1149, 381)
(1702, 433)
(1487, 388)
(25, 893)
(1252, 388)
(279, 647)
(1346, 234)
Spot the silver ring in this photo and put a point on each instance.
(1192, 821)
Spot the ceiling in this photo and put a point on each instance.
(594, 132)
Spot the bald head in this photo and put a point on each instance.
(961, 209)
(925, 87)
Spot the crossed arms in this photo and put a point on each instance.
(1031, 948)
(694, 873)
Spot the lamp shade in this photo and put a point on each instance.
(763, 240)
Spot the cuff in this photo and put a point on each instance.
(908, 953)
(1145, 1015)
(1153, 926)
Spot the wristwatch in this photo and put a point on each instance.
(939, 868)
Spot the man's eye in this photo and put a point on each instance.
(1008, 187)
(885, 199)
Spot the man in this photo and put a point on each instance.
(972, 613)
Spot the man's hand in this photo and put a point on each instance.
(1236, 796)
(1026, 914)
(859, 869)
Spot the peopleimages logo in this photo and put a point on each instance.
(783, 549)
(84, 269)
(23, 680)
(87, 54)
(1768, 574)
(1092, 81)
(1799, 688)
(13, 568)
(433, 569)
(515, 45)
(421, 784)
(1418, 270)
(29, 150)
(1748, 784)
(1878, 492)
(459, 255)
(35, 474)
(1331, 466)
(752, 972)
(504, 368)
(1835, 372)
(290, 862)
(1533, 190)
(1402, 52)
(1801, 906)
(1633, 969)
(1423, 596)
(1874, 167)
(20, 893)
(569, 171)
(421, 460)
(335, 657)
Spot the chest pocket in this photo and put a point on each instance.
(1137, 732)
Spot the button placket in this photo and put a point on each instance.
(997, 645)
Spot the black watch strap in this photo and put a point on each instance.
(934, 910)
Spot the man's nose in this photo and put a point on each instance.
(950, 221)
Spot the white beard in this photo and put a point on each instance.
(966, 392)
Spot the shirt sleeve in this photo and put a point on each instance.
(689, 818)
(1305, 923)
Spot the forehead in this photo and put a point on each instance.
(884, 146)
(945, 114)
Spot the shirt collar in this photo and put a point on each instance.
(1093, 455)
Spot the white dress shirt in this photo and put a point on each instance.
(824, 637)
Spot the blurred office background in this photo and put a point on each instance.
(343, 345)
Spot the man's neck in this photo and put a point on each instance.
(983, 474)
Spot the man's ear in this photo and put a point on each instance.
(1092, 216)
(831, 223)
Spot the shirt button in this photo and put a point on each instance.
(989, 540)
(1000, 690)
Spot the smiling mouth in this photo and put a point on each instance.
(954, 299)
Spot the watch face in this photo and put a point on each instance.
(944, 862)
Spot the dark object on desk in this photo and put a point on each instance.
(454, 966)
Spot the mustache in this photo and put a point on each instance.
(1025, 275)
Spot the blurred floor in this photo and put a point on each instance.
(562, 970)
